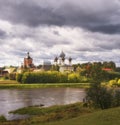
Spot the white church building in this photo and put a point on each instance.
(61, 61)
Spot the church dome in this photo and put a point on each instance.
(62, 55)
(56, 59)
(28, 56)
(70, 59)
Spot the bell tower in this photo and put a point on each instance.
(28, 61)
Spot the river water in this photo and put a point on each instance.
(12, 99)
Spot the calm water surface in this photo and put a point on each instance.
(12, 99)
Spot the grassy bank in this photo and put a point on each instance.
(68, 115)
(8, 82)
(70, 110)
(14, 85)
(49, 114)
(104, 117)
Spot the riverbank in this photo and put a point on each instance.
(72, 114)
(39, 115)
(8, 84)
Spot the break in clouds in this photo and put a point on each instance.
(86, 30)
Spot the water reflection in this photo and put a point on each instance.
(14, 99)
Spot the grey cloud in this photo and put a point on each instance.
(2, 34)
(110, 46)
(95, 15)
(89, 49)
(31, 29)
(32, 15)
(56, 33)
(110, 29)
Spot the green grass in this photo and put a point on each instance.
(105, 117)
(53, 113)
(100, 117)
(14, 85)
(8, 82)
(37, 110)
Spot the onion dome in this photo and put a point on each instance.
(70, 59)
(63, 59)
(62, 55)
(28, 56)
(56, 59)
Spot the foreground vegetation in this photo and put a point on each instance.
(49, 114)
(104, 117)
(67, 115)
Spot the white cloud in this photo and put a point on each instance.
(85, 30)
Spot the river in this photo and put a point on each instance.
(12, 99)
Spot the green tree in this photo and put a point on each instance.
(116, 100)
(73, 78)
(100, 96)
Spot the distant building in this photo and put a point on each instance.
(46, 66)
(28, 62)
(107, 69)
(61, 62)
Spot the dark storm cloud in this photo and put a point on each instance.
(93, 15)
(111, 29)
(86, 30)
(30, 14)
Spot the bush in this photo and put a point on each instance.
(112, 82)
(73, 78)
(116, 99)
(63, 78)
(118, 83)
(19, 77)
(113, 75)
(2, 119)
(6, 77)
(100, 96)
(12, 76)
(44, 77)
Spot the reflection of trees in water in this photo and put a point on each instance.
(73, 95)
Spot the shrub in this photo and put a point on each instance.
(118, 83)
(6, 77)
(112, 82)
(63, 78)
(2, 119)
(19, 77)
(12, 76)
(116, 99)
(73, 78)
(100, 96)
(44, 77)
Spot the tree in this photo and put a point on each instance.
(100, 96)
(116, 101)
(55, 68)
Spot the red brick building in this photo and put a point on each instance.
(28, 61)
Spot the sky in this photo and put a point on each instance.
(86, 30)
